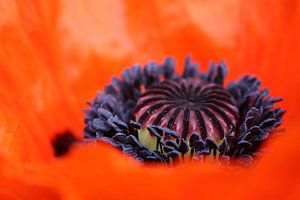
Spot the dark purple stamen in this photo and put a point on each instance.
(192, 115)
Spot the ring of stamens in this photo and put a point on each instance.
(155, 114)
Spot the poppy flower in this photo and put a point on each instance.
(56, 55)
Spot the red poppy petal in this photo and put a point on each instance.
(15, 183)
(54, 53)
(250, 39)
(27, 93)
(110, 175)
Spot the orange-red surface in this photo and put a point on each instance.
(55, 55)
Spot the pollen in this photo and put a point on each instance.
(154, 114)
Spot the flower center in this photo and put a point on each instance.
(156, 114)
(187, 106)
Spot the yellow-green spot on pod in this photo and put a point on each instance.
(147, 139)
